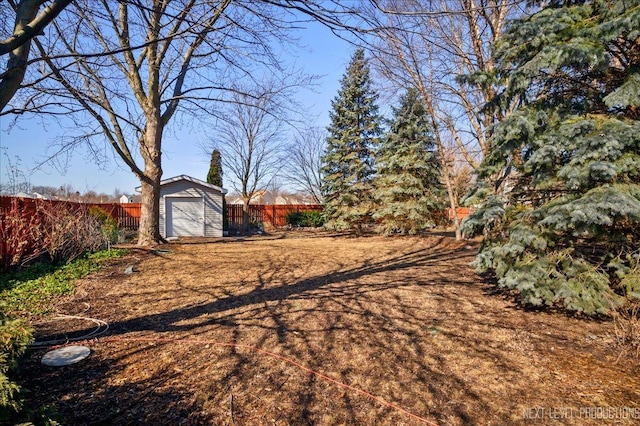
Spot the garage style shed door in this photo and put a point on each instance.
(185, 217)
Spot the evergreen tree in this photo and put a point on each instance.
(214, 177)
(566, 231)
(348, 160)
(408, 189)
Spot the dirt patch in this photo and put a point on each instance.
(320, 329)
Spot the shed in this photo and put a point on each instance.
(190, 207)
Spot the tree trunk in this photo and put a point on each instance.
(149, 229)
(446, 168)
(245, 214)
(454, 208)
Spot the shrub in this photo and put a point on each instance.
(310, 219)
(15, 336)
(67, 231)
(60, 231)
(314, 218)
(294, 218)
(108, 225)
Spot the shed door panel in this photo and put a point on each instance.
(185, 217)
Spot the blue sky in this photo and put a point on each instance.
(29, 143)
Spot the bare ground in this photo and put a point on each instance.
(299, 329)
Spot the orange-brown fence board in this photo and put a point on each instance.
(276, 215)
(463, 212)
(269, 215)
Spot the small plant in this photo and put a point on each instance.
(108, 225)
(15, 336)
(626, 321)
(31, 291)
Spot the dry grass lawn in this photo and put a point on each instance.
(226, 333)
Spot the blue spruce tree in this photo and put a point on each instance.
(560, 205)
(407, 186)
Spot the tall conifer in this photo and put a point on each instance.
(408, 189)
(348, 160)
(565, 228)
(214, 177)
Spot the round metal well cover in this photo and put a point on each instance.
(65, 356)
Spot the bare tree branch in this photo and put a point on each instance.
(28, 24)
(250, 136)
(304, 162)
(26, 29)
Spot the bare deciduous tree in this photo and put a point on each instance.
(249, 134)
(129, 93)
(304, 162)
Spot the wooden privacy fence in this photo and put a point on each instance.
(270, 215)
(127, 215)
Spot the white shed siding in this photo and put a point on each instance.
(213, 214)
(212, 204)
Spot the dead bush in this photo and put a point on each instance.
(55, 231)
(67, 231)
(626, 321)
(16, 234)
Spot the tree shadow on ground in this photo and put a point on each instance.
(405, 321)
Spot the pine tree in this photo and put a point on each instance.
(348, 160)
(408, 189)
(214, 177)
(567, 229)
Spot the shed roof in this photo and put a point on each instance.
(190, 179)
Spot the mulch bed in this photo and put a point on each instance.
(324, 329)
